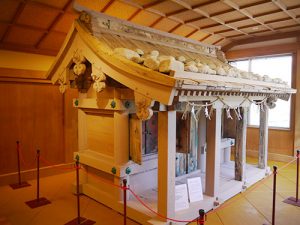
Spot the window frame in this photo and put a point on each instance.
(249, 59)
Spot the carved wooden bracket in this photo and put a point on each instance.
(99, 79)
(143, 106)
(271, 102)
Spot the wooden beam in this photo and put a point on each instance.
(134, 14)
(212, 182)
(267, 13)
(156, 21)
(254, 4)
(207, 36)
(17, 14)
(107, 6)
(218, 41)
(211, 25)
(293, 7)
(195, 19)
(28, 49)
(263, 139)
(222, 12)
(237, 20)
(234, 35)
(29, 27)
(174, 28)
(297, 101)
(262, 51)
(262, 38)
(240, 146)
(222, 31)
(248, 26)
(278, 20)
(201, 154)
(154, 3)
(22, 73)
(209, 2)
(258, 31)
(191, 33)
(288, 26)
(54, 22)
(176, 12)
(166, 163)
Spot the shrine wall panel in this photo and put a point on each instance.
(100, 133)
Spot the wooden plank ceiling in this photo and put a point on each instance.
(40, 26)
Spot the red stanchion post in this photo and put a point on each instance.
(274, 194)
(38, 201)
(202, 217)
(292, 200)
(20, 184)
(125, 200)
(77, 189)
(79, 220)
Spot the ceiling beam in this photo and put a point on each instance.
(245, 12)
(151, 4)
(284, 8)
(191, 33)
(218, 41)
(54, 22)
(174, 28)
(261, 39)
(134, 14)
(163, 15)
(107, 6)
(16, 16)
(278, 20)
(205, 37)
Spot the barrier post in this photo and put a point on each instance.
(202, 217)
(20, 184)
(125, 199)
(292, 200)
(79, 220)
(274, 194)
(38, 201)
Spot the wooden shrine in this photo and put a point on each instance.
(151, 108)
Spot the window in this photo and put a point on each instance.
(274, 67)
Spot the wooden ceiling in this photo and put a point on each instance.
(40, 26)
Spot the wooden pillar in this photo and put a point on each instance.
(201, 157)
(263, 138)
(240, 147)
(212, 181)
(296, 66)
(166, 163)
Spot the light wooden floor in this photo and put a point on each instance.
(253, 207)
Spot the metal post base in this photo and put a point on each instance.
(21, 185)
(37, 202)
(83, 221)
(292, 201)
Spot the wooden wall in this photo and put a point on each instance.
(281, 141)
(40, 117)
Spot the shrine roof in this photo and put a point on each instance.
(183, 66)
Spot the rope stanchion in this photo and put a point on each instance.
(202, 217)
(38, 201)
(125, 200)
(292, 200)
(274, 194)
(19, 184)
(79, 220)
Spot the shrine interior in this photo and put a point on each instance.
(149, 112)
